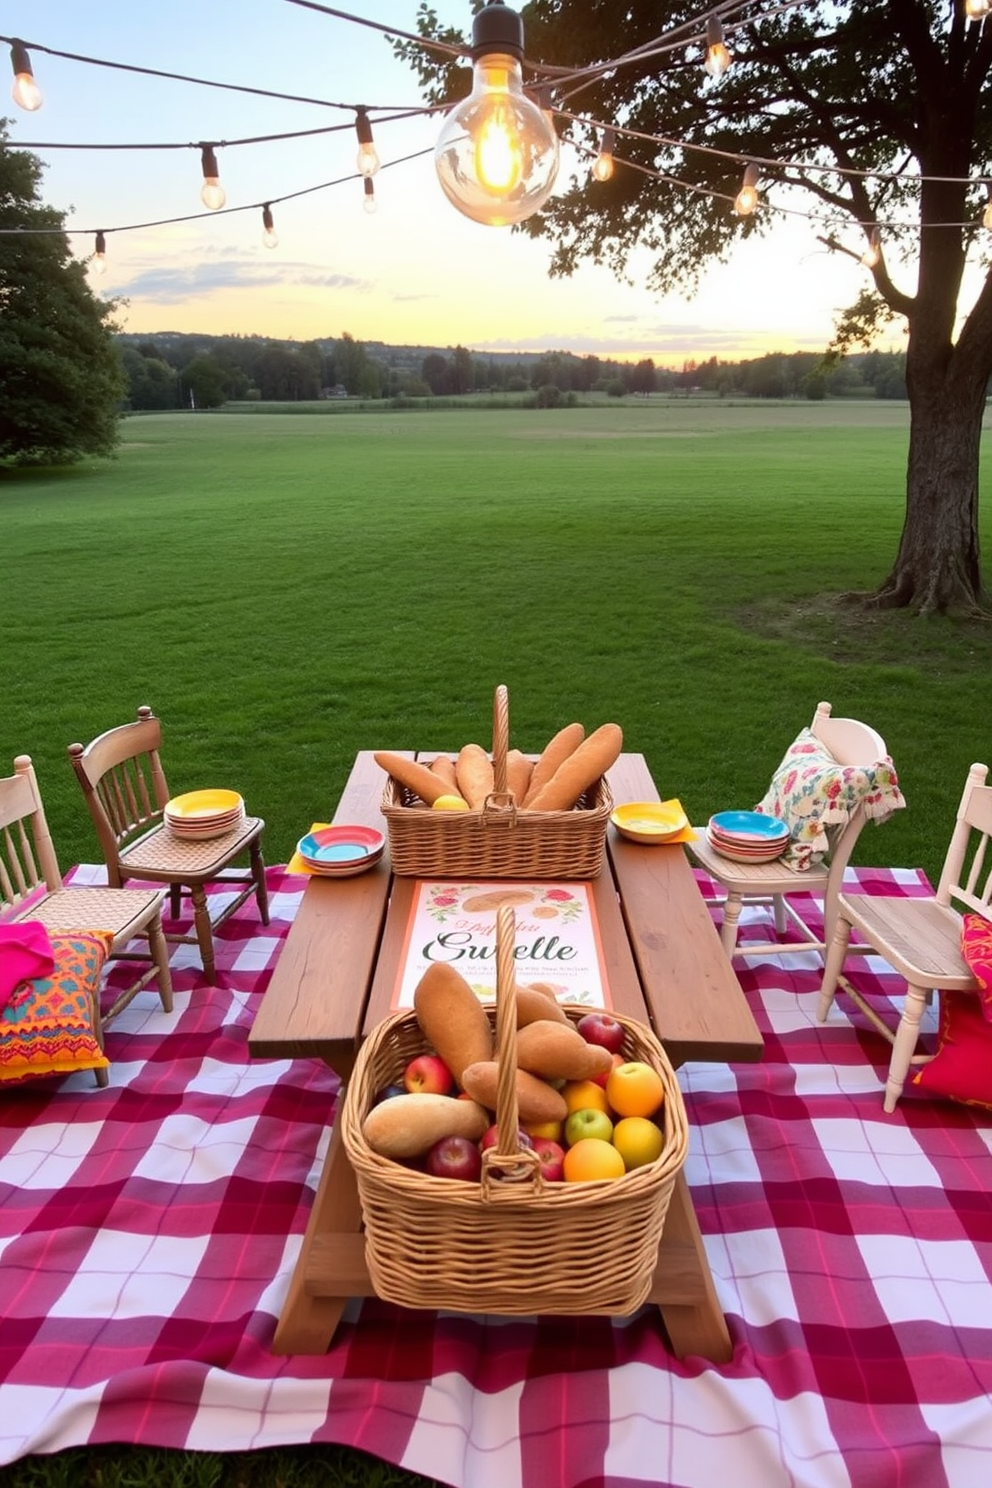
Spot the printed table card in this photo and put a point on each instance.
(557, 938)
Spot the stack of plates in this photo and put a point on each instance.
(747, 836)
(338, 852)
(200, 815)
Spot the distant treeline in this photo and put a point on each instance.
(174, 370)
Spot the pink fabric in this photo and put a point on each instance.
(25, 953)
(148, 1233)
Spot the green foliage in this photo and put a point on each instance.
(62, 377)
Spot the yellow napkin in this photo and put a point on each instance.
(296, 863)
(686, 834)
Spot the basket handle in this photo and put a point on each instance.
(501, 738)
(507, 1167)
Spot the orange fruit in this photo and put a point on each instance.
(635, 1089)
(550, 1129)
(638, 1141)
(580, 1094)
(592, 1158)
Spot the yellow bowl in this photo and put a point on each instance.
(649, 821)
(202, 803)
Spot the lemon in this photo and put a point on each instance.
(450, 803)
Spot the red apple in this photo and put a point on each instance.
(552, 1159)
(428, 1075)
(600, 1028)
(490, 1137)
(454, 1157)
(602, 1078)
(588, 1122)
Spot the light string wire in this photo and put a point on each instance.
(397, 113)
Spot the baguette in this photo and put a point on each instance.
(474, 774)
(580, 770)
(418, 778)
(518, 772)
(444, 768)
(556, 751)
(452, 1019)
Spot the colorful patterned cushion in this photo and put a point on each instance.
(49, 1025)
(961, 1069)
(976, 948)
(811, 791)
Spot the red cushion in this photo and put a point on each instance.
(976, 948)
(961, 1070)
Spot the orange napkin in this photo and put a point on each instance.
(296, 863)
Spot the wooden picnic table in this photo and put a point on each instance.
(334, 982)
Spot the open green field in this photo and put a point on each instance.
(286, 590)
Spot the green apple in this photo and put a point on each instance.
(588, 1122)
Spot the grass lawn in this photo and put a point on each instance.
(286, 590)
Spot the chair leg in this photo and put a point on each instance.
(732, 906)
(832, 968)
(261, 887)
(781, 918)
(204, 931)
(175, 900)
(159, 949)
(907, 1036)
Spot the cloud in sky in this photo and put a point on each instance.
(170, 286)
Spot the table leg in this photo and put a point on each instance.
(683, 1286)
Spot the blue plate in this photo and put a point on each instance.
(751, 824)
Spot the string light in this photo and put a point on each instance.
(98, 263)
(602, 166)
(212, 193)
(747, 198)
(718, 58)
(269, 235)
(368, 155)
(368, 204)
(25, 91)
(873, 253)
(497, 155)
(987, 214)
(977, 10)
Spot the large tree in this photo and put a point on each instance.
(867, 114)
(61, 379)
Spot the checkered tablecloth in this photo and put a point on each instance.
(148, 1232)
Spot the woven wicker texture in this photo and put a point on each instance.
(512, 1243)
(498, 841)
(96, 909)
(163, 851)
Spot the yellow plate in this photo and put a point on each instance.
(649, 821)
(203, 803)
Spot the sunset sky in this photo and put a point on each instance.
(416, 272)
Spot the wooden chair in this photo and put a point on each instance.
(771, 884)
(31, 888)
(920, 938)
(125, 788)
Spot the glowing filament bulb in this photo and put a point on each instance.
(25, 91)
(976, 10)
(987, 214)
(602, 168)
(718, 58)
(873, 252)
(498, 156)
(747, 198)
(368, 156)
(269, 235)
(98, 263)
(212, 193)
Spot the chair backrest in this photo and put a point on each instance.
(851, 743)
(27, 855)
(967, 873)
(123, 783)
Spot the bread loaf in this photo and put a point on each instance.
(580, 770)
(474, 774)
(444, 767)
(554, 1052)
(518, 772)
(452, 1019)
(409, 1125)
(536, 1101)
(556, 751)
(535, 1006)
(418, 778)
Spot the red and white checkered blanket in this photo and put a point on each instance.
(148, 1232)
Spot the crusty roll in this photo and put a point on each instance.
(592, 759)
(452, 1019)
(535, 1006)
(556, 751)
(518, 772)
(474, 774)
(417, 778)
(409, 1125)
(554, 1052)
(444, 767)
(536, 1100)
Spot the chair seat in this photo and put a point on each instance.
(921, 938)
(160, 852)
(761, 878)
(123, 912)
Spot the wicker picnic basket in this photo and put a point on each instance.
(500, 840)
(512, 1242)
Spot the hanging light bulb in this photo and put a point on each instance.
(718, 58)
(987, 214)
(368, 155)
(25, 91)
(212, 193)
(269, 235)
(368, 204)
(747, 198)
(977, 10)
(873, 252)
(98, 263)
(497, 154)
(602, 166)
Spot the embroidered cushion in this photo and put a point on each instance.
(961, 1069)
(49, 1025)
(810, 791)
(976, 948)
